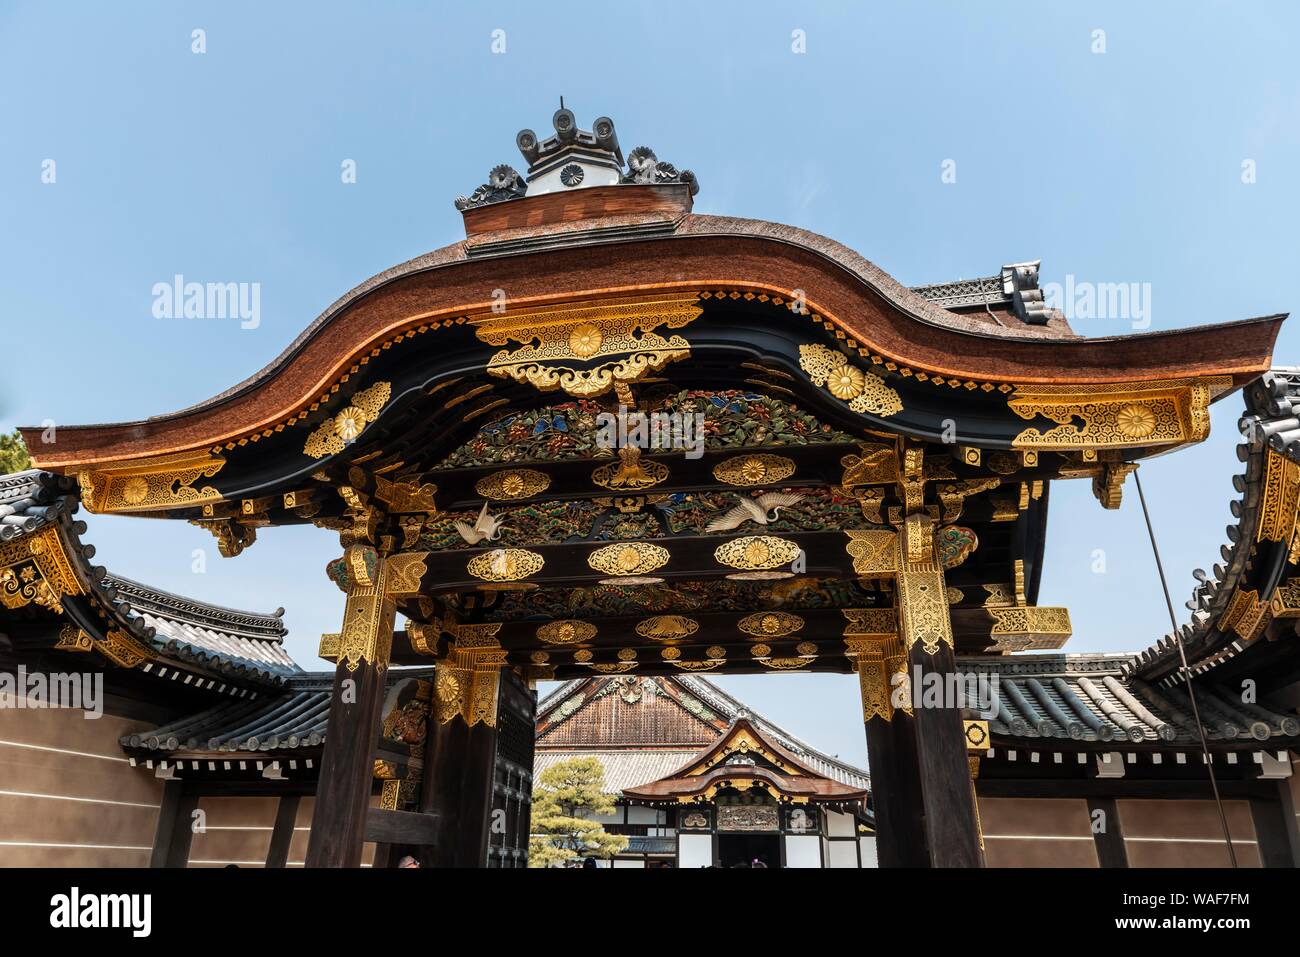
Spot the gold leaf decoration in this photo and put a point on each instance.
(872, 551)
(865, 392)
(756, 552)
(1123, 416)
(629, 473)
(566, 632)
(513, 484)
(770, 624)
(333, 435)
(555, 345)
(667, 627)
(160, 482)
(505, 564)
(630, 558)
(751, 470)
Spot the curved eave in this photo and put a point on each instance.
(1255, 559)
(167, 630)
(797, 788)
(703, 253)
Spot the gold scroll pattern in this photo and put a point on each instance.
(334, 434)
(145, 485)
(505, 564)
(770, 624)
(871, 642)
(1280, 500)
(752, 470)
(630, 558)
(756, 552)
(874, 552)
(466, 684)
(561, 347)
(865, 392)
(922, 594)
(1135, 415)
(35, 570)
(368, 618)
(512, 484)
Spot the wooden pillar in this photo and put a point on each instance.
(891, 741)
(286, 815)
(1270, 833)
(476, 796)
(1103, 814)
(896, 792)
(952, 829)
(347, 766)
(461, 754)
(444, 760)
(175, 830)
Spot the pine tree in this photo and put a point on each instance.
(565, 798)
(13, 454)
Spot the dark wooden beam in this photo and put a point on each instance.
(896, 792)
(1168, 789)
(1107, 833)
(400, 827)
(444, 761)
(175, 830)
(1270, 833)
(476, 796)
(952, 832)
(286, 814)
(347, 767)
(691, 558)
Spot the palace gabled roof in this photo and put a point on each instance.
(635, 750)
(745, 757)
(192, 634)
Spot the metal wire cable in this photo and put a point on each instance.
(1187, 674)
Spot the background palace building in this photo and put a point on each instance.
(872, 498)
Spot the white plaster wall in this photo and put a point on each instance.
(803, 850)
(867, 847)
(695, 850)
(839, 824)
(842, 853)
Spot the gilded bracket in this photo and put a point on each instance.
(1134, 415)
(587, 348)
(151, 484)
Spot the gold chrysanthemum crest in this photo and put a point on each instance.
(756, 552)
(566, 632)
(863, 391)
(770, 624)
(333, 435)
(751, 470)
(513, 484)
(629, 558)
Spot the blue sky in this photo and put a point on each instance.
(1122, 166)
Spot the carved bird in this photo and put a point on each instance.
(766, 508)
(485, 528)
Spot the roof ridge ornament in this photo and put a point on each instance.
(575, 158)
